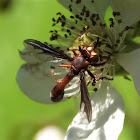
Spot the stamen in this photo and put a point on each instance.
(78, 1)
(95, 89)
(71, 93)
(116, 14)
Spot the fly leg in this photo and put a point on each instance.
(107, 78)
(74, 51)
(92, 77)
(99, 77)
(85, 98)
(97, 43)
(65, 65)
(100, 64)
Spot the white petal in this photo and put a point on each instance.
(50, 133)
(36, 81)
(129, 10)
(28, 57)
(96, 7)
(35, 84)
(107, 117)
(131, 63)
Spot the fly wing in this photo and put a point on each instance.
(85, 97)
(43, 50)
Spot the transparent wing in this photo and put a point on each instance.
(82, 99)
(43, 51)
(85, 97)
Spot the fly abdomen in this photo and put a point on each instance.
(58, 91)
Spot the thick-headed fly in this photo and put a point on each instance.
(87, 57)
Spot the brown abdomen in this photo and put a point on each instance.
(58, 91)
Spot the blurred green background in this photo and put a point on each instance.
(20, 117)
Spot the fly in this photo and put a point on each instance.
(87, 57)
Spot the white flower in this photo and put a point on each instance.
(84, 27)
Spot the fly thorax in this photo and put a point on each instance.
(79, 63)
